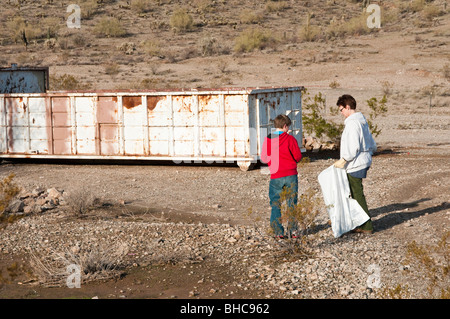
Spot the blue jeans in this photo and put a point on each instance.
(276, 186)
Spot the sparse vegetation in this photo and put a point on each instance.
(248, 16)
(334, 84)
(112, 69)
(313, 120)
(253, 39)
(8, 191)
(22, 31)
(355, 25)
(110, 28)
(301, 217)
(433, 261)
(181, 21)
(377, 107)
(80, 201)
(276, 6)
(105, 261)
(308, 32)
(67, 82)
(151, 47)
(140, 6)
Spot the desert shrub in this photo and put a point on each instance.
(431, 11)
(302, 217)
(80, 201)
(250, 17)
(112, 69)
(88, 8)
(22, 31)
(252, 39)
(276, 6)
(151, 47)
(354, 26)
(67, 82)
(308, 32)
(8, 191)
(433, 262)
(181, 21)
(314, 122)
(334, 84)
(79, 40)
(417, 5)
(104, 261)
(377, 107)
(140, 6)
(51, 26)
(110, 28)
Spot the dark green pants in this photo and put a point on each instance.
(357, 191)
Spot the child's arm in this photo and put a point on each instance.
(295, 150)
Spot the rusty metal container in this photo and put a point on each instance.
(212, 126)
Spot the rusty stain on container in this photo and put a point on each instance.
(225, 124)
(152, 101)
(131, 101)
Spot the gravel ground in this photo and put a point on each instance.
(189, 216)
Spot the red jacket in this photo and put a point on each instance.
(281, 153)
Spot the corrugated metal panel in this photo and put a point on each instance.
(209, 125)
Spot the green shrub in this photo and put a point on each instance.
(376, 108)
(302, 217)
(313, 121)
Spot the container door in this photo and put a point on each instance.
(61, 126)
(108, 128)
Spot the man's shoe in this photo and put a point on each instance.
(362, 231)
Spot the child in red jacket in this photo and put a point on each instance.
(282, 153)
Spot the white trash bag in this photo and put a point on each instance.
(345, 212)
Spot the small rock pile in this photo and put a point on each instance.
(37, 201)
(313, 144)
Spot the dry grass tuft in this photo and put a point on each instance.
(106, 261)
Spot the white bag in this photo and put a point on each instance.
(345, 212)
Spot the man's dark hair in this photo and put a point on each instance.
(282, 120)
(345, 100)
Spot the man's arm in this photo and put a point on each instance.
(350, 141)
